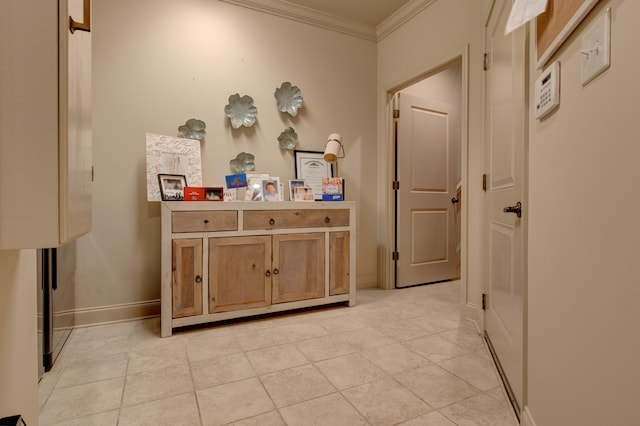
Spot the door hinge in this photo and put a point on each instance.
(485, 62)
(484, 183)
(396, 113)
(395, 255)
(484, 301)
(396, 185)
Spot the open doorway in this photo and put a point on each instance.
(427, 175)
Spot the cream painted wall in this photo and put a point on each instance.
(158, 63)
(18, 337)
(442, 32)
(584, 239)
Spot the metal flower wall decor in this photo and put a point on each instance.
(244, 162)
(193, 129)
(288, 138)
(241, 111)
(289, 98)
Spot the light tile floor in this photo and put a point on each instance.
(398, 357)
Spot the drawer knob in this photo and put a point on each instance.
(198, 279)
(276, 271)
(268, 273)
(327, 219)
(206, 221)
(272, 221)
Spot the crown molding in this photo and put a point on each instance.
(294, 12)
(401, 16)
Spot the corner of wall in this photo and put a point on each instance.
(527, 418)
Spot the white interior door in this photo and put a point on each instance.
(504, 163)
(426, 229)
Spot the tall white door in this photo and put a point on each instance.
(426, 229)
(505, 205)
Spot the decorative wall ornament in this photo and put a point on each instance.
(241, 111)
(289, 98)
(288, 138)
(170, 155)
(244, 162)
(193, 129)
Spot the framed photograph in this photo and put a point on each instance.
(254, 186)
(172, 187)
(293, 184)
(215, 193)
(236, 181)
(271, 189)
(556, 25)
(303, 193)
(311, 167)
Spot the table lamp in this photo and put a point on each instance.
(333, 150)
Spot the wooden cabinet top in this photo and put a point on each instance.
(176, 206)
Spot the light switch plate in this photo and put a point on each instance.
(596, 47)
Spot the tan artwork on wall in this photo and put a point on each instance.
(555, 25)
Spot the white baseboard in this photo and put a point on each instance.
(151, 308)
(527, 418)
(115, 313)
(473, 313)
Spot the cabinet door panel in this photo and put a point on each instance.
(338, 263)
(238, 277)
(186, 277)
(298, 267)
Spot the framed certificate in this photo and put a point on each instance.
(311, 167)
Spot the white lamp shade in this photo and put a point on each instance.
(332, 149)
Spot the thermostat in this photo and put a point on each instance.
(547, 91)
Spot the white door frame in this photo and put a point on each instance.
(385, 261)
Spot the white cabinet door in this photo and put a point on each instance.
(45, 124)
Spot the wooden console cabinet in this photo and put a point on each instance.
(224, 260)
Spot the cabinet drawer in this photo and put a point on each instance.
(284, 219)
(204, 221)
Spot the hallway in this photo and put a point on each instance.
(398, 357)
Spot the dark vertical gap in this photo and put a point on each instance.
(503, 377)
(395, 203)
(47, 352)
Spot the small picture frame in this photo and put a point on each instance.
(254, 186)
(172, 186)
(303, 193)
(214, 193)
(293, 184)
(271, 189)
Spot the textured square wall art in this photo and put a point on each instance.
(171, 155)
